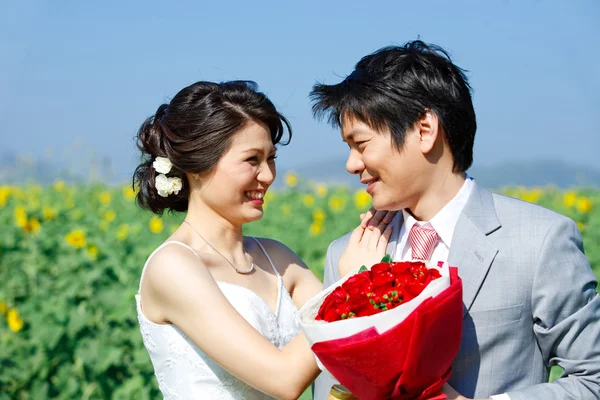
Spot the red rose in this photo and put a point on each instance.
(329, 310)
(326, 305)
(418, 269)
(414, 288)
(366, 310)
(432, 274)
(358, 287)
(402, 267)
(407, 296)
(358, 284)
(356, 302)
(330, 314)
(404, 278)
(336, 312)
(384, 287)
(339, 295)
(341, 311)
(382, 291)
(382, 275)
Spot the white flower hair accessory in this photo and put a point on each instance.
(165, 185)
(162, 165)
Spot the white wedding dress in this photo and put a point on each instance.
(184, 371)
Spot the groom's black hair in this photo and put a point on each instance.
(394, 86)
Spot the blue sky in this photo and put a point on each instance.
(77, 79)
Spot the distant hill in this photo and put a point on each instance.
(536, 173)
(15, 169)
(518, 172)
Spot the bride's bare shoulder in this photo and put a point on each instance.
(172, 262)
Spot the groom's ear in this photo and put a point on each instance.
(428, 129)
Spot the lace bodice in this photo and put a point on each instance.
(184, 371)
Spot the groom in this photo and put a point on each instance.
(529, 293)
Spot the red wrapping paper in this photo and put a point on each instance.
(411, 361)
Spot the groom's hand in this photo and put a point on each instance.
(368, 242)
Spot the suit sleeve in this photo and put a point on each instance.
(331, 273)
(566, 317)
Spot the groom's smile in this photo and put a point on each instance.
(395, 178)
(370, 184)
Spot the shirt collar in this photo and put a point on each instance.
(445, 220)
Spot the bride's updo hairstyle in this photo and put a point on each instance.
(193, 132)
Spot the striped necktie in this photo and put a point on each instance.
(422, 242)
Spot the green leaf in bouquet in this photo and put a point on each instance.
(386, 259)
(362, 269)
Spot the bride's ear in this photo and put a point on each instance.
(193, 180)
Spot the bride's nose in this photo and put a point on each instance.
(266, 174)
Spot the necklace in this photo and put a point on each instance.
(239, 271)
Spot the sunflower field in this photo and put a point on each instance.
(71, 258)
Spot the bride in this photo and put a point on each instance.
(217, 310)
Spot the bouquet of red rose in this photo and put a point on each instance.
(388, 332)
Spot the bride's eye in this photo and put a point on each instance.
(252, 160)
(273, 157)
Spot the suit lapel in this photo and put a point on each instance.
(472, 251)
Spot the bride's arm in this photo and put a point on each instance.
(182, 291)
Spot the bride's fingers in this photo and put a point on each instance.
(385, 238)
(366, 217)
(389, 216)
(357, 235)
(373, 224)
(372, 236)
(377, 219)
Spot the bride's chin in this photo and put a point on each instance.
(253, 216)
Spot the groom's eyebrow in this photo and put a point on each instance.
(349, 136)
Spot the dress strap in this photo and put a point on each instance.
(157, 249)
(266, 254)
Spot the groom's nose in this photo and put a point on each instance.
(354, 165)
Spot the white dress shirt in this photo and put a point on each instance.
(444, 223)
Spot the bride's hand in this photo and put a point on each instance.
(368, 242)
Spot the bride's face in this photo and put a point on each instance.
(236, 188)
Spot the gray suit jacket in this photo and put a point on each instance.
(529, 298)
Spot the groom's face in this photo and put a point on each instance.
(391, 175)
